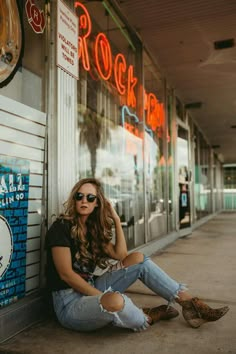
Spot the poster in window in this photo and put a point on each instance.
(14, 192)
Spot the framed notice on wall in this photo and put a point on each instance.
(14, 190)
(67, 40)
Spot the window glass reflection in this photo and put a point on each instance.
(110, 130)
(155, 160)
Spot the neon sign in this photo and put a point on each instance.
(103, 51)
(85, 27)
(115, 69)
(134, 130)
(120, 69)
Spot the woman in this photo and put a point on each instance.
(80, 240)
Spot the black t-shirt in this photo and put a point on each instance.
(59, 235)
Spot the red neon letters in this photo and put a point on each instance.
(119, 71)
(115, 69)
(155, 112)
(103, 56)
(85, 27)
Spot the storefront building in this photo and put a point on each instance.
(83, 97)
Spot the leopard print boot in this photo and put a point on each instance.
(196, 312)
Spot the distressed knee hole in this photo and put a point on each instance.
(133, 258)
(112, 302)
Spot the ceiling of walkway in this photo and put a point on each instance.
(180, 35)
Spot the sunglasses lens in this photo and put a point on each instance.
(79, 196)
(91, 198)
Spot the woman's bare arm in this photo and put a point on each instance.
(62, 260)
(119, 249)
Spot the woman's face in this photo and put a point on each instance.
(86, 199)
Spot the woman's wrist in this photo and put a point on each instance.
(116, 220)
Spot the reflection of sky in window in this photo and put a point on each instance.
(182, 151)
(115, 156)
(152, 153)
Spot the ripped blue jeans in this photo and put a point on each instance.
(85, 313)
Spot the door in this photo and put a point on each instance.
(184, 181)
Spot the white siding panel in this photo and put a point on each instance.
(35, 205)
(36, 180)
(35, 193)
(33, 244)
(32, 270)
(21, 138)
(36, 167)
(34, 218)
(16, 150)
(22, 135)
(32, 283)
(32, 257)
(21, 110)
(19, 123)
(33, 231)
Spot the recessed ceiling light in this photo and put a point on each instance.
(224, 44)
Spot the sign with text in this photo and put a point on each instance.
(67, 40)
(14, 190)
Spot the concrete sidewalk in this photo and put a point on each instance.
(205, 261)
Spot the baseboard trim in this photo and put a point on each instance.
(157, 245)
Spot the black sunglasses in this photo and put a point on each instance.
(90, 197)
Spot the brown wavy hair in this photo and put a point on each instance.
(99, 226)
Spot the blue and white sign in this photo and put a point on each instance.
(6, 245)
(14, 190)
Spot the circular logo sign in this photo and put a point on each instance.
(6, 246)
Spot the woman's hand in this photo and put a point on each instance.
(119, 249)
(112, 212)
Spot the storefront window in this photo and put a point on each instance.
(197, 186)
(110, 124)
(230, 187)
(171, 136)
(155, 158)
(205, 192)
(202, 197)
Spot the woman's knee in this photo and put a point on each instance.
(112, 302)
(133, 258)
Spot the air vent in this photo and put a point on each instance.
(215, 146)
(193, 105)
(233, 127)
(224, 44)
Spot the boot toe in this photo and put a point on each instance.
(162, 312)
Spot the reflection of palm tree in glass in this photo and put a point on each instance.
(95, 133)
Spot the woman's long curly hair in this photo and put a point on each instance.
(99, 226)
